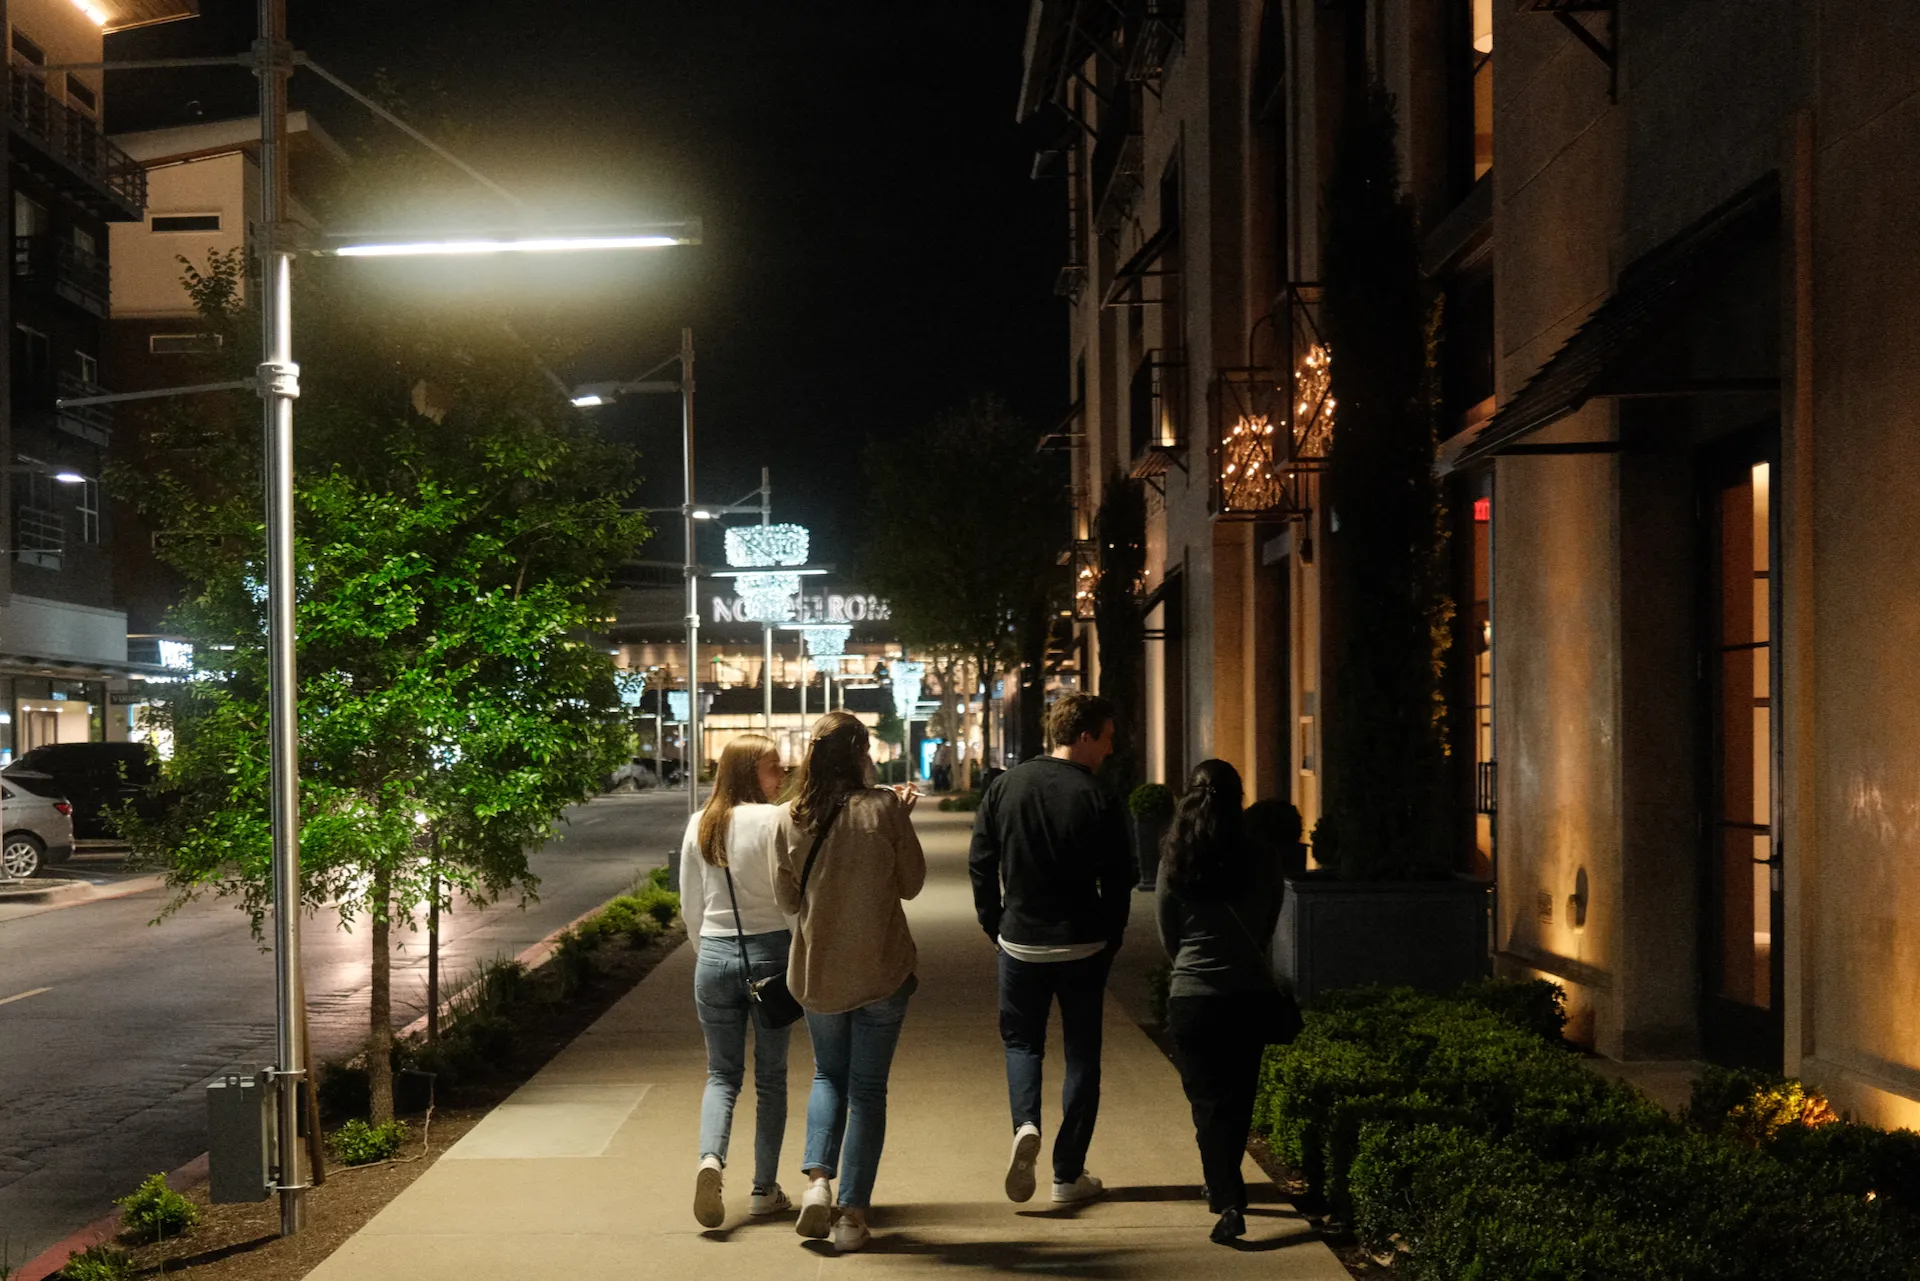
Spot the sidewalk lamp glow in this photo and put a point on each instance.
(69, 478)
(588, 401)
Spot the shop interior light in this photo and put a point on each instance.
(95, 14)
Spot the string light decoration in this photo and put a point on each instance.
(764, 546)
(768, 597)
(1247, 481)
(679, 704)
(1085, 582)
(1313, 403)
(905, 678)
(828, 644)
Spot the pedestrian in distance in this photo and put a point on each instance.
(845, 858)
(1217, 903)
(733, 919)
(1053, 879)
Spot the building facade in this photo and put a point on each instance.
(63, 636)
(1676, 383)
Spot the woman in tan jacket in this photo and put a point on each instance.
(845, 855)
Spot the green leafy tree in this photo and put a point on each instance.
(1386, 814)
(963, 536)
(456, 527)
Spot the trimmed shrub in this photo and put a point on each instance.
(153, 1211)
(357, 1143)
(965, 803)
(1477, 1150)
(659, 877)
(662, 905)
(1151, 802)
(98, 1263)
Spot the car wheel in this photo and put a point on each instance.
(20, 856)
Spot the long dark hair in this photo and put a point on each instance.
(834, 766)
(1204, 852)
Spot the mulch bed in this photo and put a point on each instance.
(243, 1242)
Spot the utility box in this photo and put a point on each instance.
(240, 1139)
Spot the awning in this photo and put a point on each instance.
(1590, 364)
(1137, 268)
(78, 668)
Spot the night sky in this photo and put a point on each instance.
(875, 249)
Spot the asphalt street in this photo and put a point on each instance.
(111, 1026)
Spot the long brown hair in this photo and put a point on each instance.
(831, 768)
(736, 781)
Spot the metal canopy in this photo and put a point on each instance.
(1590, 363)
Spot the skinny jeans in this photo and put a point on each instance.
(1218, 1047)
(847, 1110)
(720, 996)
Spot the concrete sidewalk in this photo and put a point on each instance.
(588, 1170)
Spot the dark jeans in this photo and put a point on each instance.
(1027, 993)
(1217, 1041)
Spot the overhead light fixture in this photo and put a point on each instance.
(588, 402)
(70, 478)
(95, 14)
(702, 515)
(413, 244)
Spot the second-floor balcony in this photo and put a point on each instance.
(63, 269)
(67, 148)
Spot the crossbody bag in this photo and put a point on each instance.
(1279, 1020)
(770, 995)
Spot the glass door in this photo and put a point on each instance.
(1742, 1017)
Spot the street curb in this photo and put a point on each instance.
(62, 897)
(104, 1228)
(39, 889)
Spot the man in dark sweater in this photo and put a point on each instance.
(1052, 883)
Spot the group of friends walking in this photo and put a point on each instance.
(796, 909)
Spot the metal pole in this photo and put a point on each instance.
(279, 384)
(692, 751)
(766, 627)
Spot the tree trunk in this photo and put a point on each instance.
(380, 1005)
(1033, 678)
(987, 758)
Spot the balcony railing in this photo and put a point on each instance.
(1486, 787)
(65, 270)
(39, 536)
(77, 155)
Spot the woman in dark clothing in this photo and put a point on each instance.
(1218, 901)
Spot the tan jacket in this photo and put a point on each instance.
(852, 946)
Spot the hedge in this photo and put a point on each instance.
(1460, 1137)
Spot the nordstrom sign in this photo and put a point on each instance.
(804, 608)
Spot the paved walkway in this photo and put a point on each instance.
(588, 1170)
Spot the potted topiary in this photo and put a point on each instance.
(1386, 905)
(1151, 805)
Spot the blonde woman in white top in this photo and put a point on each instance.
(734, 835)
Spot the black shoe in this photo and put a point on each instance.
(1231, 1227)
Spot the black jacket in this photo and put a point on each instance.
(1050, 861)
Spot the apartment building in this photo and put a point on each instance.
(63, 639)
(203, 192)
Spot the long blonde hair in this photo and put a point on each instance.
(736, 781)
(832, 768)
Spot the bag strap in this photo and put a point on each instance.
(819, 839)
(1262, 954)
(739, 931)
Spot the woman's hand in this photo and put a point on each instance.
(908, 795)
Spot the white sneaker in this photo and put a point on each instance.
(816, 1210)
(850, 1234)
(1026, 1151)
(708, 1206)
(771, 1201)
(1084, 1188)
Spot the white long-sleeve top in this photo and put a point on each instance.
(704, 904)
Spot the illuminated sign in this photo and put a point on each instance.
(855, 608)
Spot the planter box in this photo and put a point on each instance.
(1146, 849)
(1430, 935)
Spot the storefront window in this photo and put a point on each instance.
(55, 711)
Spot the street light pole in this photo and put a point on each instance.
(766, 626)
(279, 384)
(693, 750)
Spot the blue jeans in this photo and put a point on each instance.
(720, 995)
(852, 1056)
(1028, 990)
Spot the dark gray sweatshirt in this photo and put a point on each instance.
(1212, 954)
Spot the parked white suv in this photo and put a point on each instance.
(36, 826)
